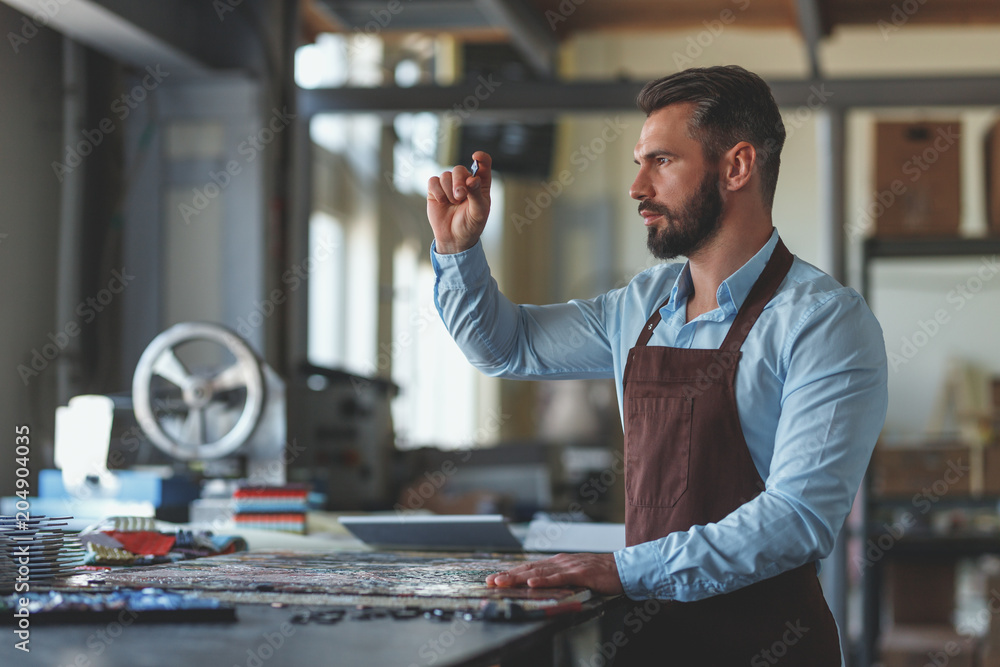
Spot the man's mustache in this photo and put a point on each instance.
(659, 209)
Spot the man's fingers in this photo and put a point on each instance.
(435, 191)
(595, 571)
(522, 575)
(491, 578)
(515, 576)
(460, 177)
(536, 578)
(446, 187)
(485, 173)
(549, 580)
(506, 580)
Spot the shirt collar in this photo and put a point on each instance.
(734, 290)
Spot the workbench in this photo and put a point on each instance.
(265, 635)
(367, 609)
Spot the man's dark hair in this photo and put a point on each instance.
(731, 105)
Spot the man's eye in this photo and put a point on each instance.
(663, 160)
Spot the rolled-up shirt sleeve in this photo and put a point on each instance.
(833, 406)
(559, 341)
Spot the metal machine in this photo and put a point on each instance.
(204, 406)
(340, 437)
(200, 393)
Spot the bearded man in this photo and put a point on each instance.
(751, 385)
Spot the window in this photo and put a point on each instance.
(443, 400)
(327, 303)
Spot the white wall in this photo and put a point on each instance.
(933, 311)
(911, 50)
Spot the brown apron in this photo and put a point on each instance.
(687, 464)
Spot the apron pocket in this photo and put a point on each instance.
(657, 450)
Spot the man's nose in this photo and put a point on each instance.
(640, 187)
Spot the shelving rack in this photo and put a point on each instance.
(916, 545)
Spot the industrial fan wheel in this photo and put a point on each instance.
(198, 391)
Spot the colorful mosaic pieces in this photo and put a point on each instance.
(398, 579)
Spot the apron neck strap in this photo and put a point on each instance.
(647, 329)
(760, 294)
(762, 291)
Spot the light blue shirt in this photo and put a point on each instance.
(811, 394)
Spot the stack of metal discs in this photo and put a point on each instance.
(8, 572)
(34, 549)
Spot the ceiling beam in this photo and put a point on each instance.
(488, 98)
(89, 23)
(811, 29)
(528, 34)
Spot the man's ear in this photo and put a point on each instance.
(737, 166)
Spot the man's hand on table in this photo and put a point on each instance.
(598, 572)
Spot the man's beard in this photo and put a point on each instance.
(691, 228)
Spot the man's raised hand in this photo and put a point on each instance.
(458, 205)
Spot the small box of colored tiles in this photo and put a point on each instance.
(271, 507)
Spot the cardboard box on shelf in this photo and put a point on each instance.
(993, 179)
(917, 179)
(991, 470)
(921, 591)
(995, 435)
(941, 470)
(921, 645)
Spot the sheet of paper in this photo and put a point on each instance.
(568, 536)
